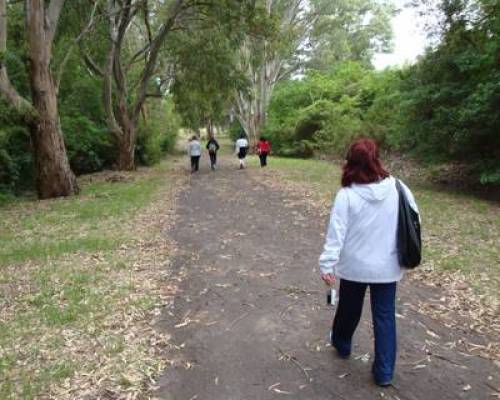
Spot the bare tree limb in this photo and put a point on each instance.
(156, 44)
(52, 17)
(92, 65)
(78, 39)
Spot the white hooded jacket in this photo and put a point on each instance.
(361, 240)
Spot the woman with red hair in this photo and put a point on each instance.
(360, 250)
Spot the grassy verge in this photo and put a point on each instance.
(81, 279)
(461, 232)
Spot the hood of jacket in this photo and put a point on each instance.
(376, 191)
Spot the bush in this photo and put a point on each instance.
(157, 132)
(16, 162)
(235, 130)
(323, 113)
(88, 145)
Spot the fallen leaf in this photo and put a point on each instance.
(433, 334)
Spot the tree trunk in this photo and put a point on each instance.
(125, 160)
(53, 174)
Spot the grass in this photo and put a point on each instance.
(460, 231)
(70, 289)
(89, 222)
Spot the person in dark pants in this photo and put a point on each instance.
(360, 249)
(382, 297)
(241, 147)
(194, 152)
(213, 147)
(263, 149)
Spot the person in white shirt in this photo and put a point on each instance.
(242, 149)
(360, 249)
(194, 152)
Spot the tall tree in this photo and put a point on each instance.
(305, 33)
(205, 69)
(123, 99)
(266, 60)
(53, 174)
(349, 30)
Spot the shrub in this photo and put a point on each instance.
(88, 145)
(16, 162)
(157, 132)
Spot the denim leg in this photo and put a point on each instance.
(383, 298)
(351, 296)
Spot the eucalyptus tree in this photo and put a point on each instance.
(136, 63)
(206, 75)
(53, 174)
(266, 60)
(349, 30)
(307, 33)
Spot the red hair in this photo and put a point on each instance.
(363, 164)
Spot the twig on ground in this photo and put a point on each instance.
(232, 324)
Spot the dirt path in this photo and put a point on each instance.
(249, 320)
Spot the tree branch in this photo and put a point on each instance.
(92, 65)
(153, 56)
(52, 17)
(7, 90)
(67, 56)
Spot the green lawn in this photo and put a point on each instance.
(460, 231)
(75, 281)
(89, 222)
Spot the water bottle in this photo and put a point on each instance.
(331, 297)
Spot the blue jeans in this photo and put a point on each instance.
(383, 299)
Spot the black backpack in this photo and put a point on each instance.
(409, 240)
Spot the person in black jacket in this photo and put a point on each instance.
(213, 148)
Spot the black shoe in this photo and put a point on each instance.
(342, 355)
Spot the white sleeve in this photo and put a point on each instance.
(336, 233)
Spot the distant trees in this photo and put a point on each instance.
(124, 59)
(139, 63)
(204, 59)
(446, 106)
(312, 34)
(89, 84)
(453, 92)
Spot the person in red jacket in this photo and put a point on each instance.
(263, 150)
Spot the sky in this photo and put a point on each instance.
(409, 39)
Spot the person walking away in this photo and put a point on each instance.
(361, 250)
(194, 152)
(263, 149)
(242, 149)
(213, 147)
